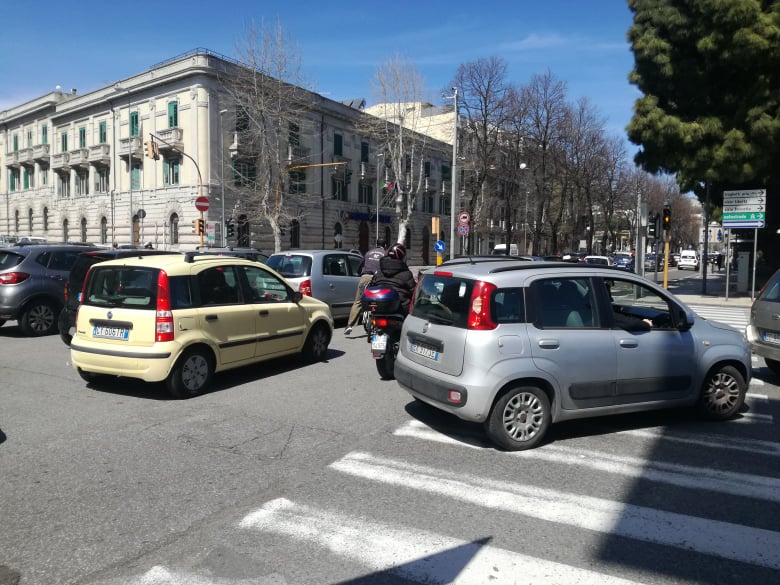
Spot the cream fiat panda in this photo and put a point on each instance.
(181, 318)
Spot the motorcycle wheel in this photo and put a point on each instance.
(386, 366)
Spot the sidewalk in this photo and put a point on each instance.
(689, 289)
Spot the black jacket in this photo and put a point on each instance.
(396, 273)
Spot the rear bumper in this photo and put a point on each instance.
(758, 347)
(147, 366)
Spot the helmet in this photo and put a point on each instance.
(397, 251)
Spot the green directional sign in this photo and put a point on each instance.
(745, 216)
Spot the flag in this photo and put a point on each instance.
(388, 187)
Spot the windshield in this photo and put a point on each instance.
(290, 265)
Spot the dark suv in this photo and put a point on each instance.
(32, 279)
(67, 319)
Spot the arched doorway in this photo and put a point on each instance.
(363, 237)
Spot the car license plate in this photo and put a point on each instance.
(379, 343)
(110, 332)
(771, 337)
(424, 351)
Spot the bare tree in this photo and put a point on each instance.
(266, 92)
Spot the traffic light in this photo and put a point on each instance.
(152, 149)
(667, 219)
(230, 228)
(652, 227)
(199, 227)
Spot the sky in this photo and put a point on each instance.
(89, 44)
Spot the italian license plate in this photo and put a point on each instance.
(424, 351)
(379, 343)
(104, 332)
(771, 337)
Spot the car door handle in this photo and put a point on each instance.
(263, 313)
(549, 343)
(331, 285)
(212, 317)
(628, 343)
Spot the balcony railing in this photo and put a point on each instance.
(297, 152)
(100, 154)
(79, 157)
(41, 152)
(171, 138)
(130, 145)
(431, 184)
(60, 161)
(367, 170)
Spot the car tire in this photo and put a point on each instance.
(63, 324)
(773, 365)
(39, 318)
(191, 375)
(316, 346)
(519, 418)
(722, 394)
(385, 366)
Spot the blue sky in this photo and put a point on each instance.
(91, 43)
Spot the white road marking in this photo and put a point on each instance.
(713, 441)
(722, 539)
(418, 555)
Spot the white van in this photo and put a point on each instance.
(688, 259)
(501, 249)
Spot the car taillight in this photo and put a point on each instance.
(13, 277)
(479, 311)
(164, 316)
(305, 288)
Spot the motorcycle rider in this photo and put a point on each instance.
(394, 272)
(368, 268)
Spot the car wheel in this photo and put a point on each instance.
(63, 325)
(40, 318)
(519, 418)
(773, 365)
(191, 374)
(316, 347)
(723, 393)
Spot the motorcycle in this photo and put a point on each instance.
(384, 333)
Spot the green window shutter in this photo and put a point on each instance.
(26, 179)
(64, 141)
(173, 115)
(16, 142)
(133, 123)
(44, 134)
(103, 133)
(82, 137)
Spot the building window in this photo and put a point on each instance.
(30, 220)
(174, 228)
(364, 153)
(29, 138)
(171, 171)
(64, 142)
(82, 182)
(338, 144)
(244, 173)
(44, 134)
(133, 124)
(295, 234)
(135, 176)
(339, 189)
(64, 230)
(14, 181)
(16, 142)
(103, 230)
(63, 185)
(26, 178)
(101, 180)
(444, 204)
(298, 181)
(427, 169)
(46, 219)
(365, 192)
(83, 229)
(427, 205)
(44, 175)
(102, 133)
(294, 134)
(173, 114)
(82, 137)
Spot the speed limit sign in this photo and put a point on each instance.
(464, 217)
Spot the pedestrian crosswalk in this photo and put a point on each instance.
(737, 317)
(433, 502)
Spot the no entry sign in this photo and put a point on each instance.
(202, 203)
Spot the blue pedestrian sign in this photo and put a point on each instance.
(439, 246)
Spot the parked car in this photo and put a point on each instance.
(763, 330)
(331, 276)
(32, 281)
(600, 260)
(651, 262)
(66, 323)
(182, 318)
(519, 346)
(688, 259)
(624, 261)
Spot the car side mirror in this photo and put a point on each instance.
(684, 319)
(297, 296)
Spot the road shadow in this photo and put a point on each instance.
(2, 437)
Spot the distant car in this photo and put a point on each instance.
(651, 262)
(624, 262)
(763, 330)
(688, 259)
(182, 318)
(518, 346)
(72, 291)
(331, 276)
(601, 260)
(32, 281)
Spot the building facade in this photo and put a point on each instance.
(76, 168)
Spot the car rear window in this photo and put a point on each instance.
(9, 259)
(291, 265)
(443, 299)
(771, 291)
(122, 286)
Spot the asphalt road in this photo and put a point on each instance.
(292, 474)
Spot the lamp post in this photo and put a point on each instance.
(454, 98)
(379, 155)
(222, 176)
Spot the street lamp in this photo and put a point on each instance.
(454, 98)
(222, 176)
(378, 194)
